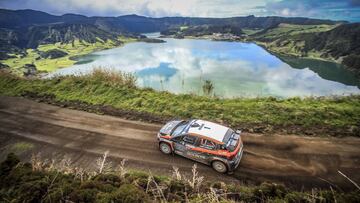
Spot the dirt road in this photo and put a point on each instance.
(55, 132)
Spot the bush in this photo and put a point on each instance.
(111, 179)
(5, 167)
(97, 185)
(112, 77)
(32, 191)
(295, 197)
(84, 195)
(351, 197)
(208, 87)
(129, 193)
(270, 190)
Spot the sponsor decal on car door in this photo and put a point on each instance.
(191, 142)
(179, 148)
(205, 146)
(184, 147)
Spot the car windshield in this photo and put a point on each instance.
(180, 128)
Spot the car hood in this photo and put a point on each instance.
(168, 127)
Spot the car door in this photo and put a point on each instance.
(184, 145)
(206, 150)
(179, 145)
(191, 143)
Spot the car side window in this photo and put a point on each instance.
(207, 144)
(188, 139)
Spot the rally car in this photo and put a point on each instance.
(202, 141)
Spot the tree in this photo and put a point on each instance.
(208, 87)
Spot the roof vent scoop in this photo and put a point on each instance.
(195, 125)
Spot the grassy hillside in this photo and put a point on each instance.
(59, 181)
(293, 29)
(337, 43)
(48, 64)
(338, 116)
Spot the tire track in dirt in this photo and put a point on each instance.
(293, 160)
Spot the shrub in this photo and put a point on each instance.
(32, 191)
(97, 185)
(11, 161)
(270, 190)
(177, 186)
(84, 195)
(60, 192)
(111, 77)
(111, 179)
(18, 175)
(208, 87)
(295, 197)
(139, 177)
(351, 197)
(129, 193)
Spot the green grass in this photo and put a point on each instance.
(21, 147)
(77, 48)
(251, 31)
(292, 29)
(336, 116)
(183, 28)
(281, 40)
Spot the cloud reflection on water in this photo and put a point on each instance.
(236, 69)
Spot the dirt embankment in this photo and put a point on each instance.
(55, 132)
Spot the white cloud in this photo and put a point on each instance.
(154, 8)
(328, 9)
(333, 9)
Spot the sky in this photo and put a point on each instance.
(325, 9)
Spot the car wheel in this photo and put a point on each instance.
(219, 166)
(165, 148)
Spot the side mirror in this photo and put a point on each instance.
(238, 131)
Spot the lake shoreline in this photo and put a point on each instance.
(263, 45)
(248, 91)
(166, 66)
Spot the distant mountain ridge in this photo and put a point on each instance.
(29, 28)
(13, 19)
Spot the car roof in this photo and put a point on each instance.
(208, 129)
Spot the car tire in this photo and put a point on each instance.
(165, 148)
(219, 166)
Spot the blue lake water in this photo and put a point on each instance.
(236, 69)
